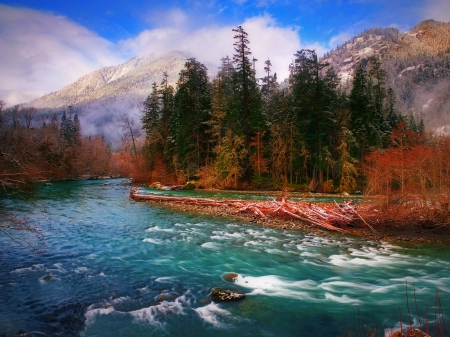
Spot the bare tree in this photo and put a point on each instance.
(130, 134)
(29, 114)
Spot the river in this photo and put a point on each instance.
(115, 267)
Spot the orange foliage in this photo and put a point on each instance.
(411, 180)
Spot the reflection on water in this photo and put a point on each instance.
(115, 267)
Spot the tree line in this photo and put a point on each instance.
(54, 148)
(238, 130)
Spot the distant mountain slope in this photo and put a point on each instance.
(417, 65)
(103, 96)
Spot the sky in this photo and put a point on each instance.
(48, 44)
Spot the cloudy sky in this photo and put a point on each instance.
(47, 44)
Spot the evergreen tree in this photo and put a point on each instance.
(192, 107)
(246, 115)
(151, 111)
(76, 130)
(313, 98)
(360, 103)
(166, 125)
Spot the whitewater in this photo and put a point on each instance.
(115, 267)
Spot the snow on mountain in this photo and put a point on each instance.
(103, 96)
(417, 65)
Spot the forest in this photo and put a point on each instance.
(237, 131)
(309, 133)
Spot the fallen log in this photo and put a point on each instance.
(331, 217)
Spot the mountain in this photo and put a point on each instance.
(417, 65)
(103, 96)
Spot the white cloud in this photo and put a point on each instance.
(340, 39)
(42, 52)
(209, 44)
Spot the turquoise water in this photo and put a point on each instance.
(124, 268)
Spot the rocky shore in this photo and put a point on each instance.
(404, 234)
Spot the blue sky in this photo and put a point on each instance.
(47, 44)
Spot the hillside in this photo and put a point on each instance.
(417, 65)
(101, 97)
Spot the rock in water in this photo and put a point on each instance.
(231, 277)
(223, 295)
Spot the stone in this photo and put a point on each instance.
(231, 277)
(224, 295)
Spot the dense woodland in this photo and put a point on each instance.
(239, 131)
(309, 133)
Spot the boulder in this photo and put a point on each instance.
(224, 295)
(231, 277)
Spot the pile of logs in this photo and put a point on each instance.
(332, 216)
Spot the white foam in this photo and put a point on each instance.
(154, 241)
(212, 314)
(437, 263)
(107, 307)
(342, 299)
(254, 243)
(91, 314)
(271, 285)
(34, 267)
(200, 224)
(167, 279)
(211, 245)
(81, 270)
(367, 259)
(150, 314)
(159, 229)
(255, 233)
(309, 254)
(226, 235)
(274, 251)
(331, 286)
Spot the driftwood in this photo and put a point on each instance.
(334, 217)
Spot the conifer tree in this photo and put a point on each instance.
(151, 112)
(313, 97)
(247, 110)
(166, 125)
(192, 106)
(360, 108)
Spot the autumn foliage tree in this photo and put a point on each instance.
(412, 176)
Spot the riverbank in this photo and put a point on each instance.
(391, 232)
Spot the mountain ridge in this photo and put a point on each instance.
(417, 65)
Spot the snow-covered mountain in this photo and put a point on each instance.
(417, 65)
(103, 96)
